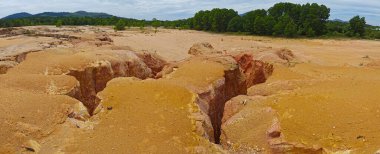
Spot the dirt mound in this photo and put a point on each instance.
(104, 38)
(285, 54)
(203, 48)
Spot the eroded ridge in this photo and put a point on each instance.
(182, 109)
(292, 114)
(74, 78)
(56, 84)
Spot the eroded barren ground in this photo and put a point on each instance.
(93, 90)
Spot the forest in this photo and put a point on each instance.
(281, 20)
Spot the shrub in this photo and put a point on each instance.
(120, 25)
(59, 23)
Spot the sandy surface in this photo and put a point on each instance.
(325, 95)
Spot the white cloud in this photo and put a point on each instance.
(175, 9)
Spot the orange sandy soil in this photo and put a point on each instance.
(151, 116)
(325, 97)
(335, 108)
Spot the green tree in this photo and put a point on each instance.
(310, 32)
(216, 20)
(220, 19)
(197, 20)
(279, 27)
(155, 24)
(314, 17)
(259, 25)
(357, 25)
(269, 24)
(290, 29)
(120, 25)
(235, 25)
(59, 23)
(249, 19)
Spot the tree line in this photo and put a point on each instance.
(282, 19)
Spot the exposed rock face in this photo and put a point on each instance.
(151, 116)
(9, 61)
(93, 69)
(203, 48)
(194, 102)
(235, 105)
(29, 114)
(245, 126)
(153, 61)
(6, 65)
(223, 82)
(255, 71)
(94, 78)
(278, 143)
(210, 88)
(49, 81)
(260, 129)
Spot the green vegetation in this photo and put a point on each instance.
(282, 20)
(155, 24)
(120, 25)
(59, 23)
(357, 25)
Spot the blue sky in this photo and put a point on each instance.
(177, 9)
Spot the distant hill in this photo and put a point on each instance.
(18, 15)
(339, 20)
(59, 14)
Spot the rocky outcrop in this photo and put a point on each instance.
(147, 116)
(10, 61)
(220, 81)
(51, 80)
(205, 95)
(203, 48)
(260, 129)
(94, 78)
(255, 71)
(28, 115)
(278, 144)
(153, 61)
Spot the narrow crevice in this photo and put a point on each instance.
(236, 82)
(94, 79)
(234, 86)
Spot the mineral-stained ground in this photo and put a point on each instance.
(93, 90)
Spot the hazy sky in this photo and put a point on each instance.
(177, 9)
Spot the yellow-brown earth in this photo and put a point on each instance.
(93, 90)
